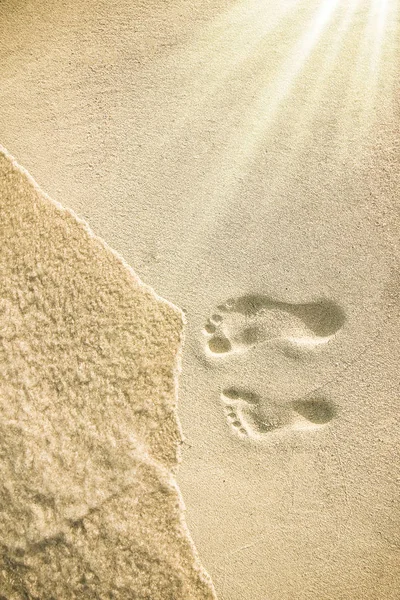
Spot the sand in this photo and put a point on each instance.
(90, 359)
(243, 158)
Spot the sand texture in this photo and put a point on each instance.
(89, 435)
(243, 156)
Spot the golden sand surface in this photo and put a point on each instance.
(89, 435)
(243, 157)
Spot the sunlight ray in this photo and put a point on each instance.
(301, 128)
(262, 114)
(303, 124)
(379, 16)
(295, 89)
(218, 52)
(294, 64)
(378, 40)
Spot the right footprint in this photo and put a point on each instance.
(249, 320)
(248, 417)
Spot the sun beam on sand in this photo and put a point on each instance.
(318, 48)
(333, 63)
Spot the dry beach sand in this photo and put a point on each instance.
(243, 157)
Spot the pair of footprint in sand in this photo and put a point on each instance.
(244, 322)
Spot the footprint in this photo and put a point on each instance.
(246, 321)
(317, 412)
(248, 417)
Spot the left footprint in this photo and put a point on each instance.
(249, 417)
